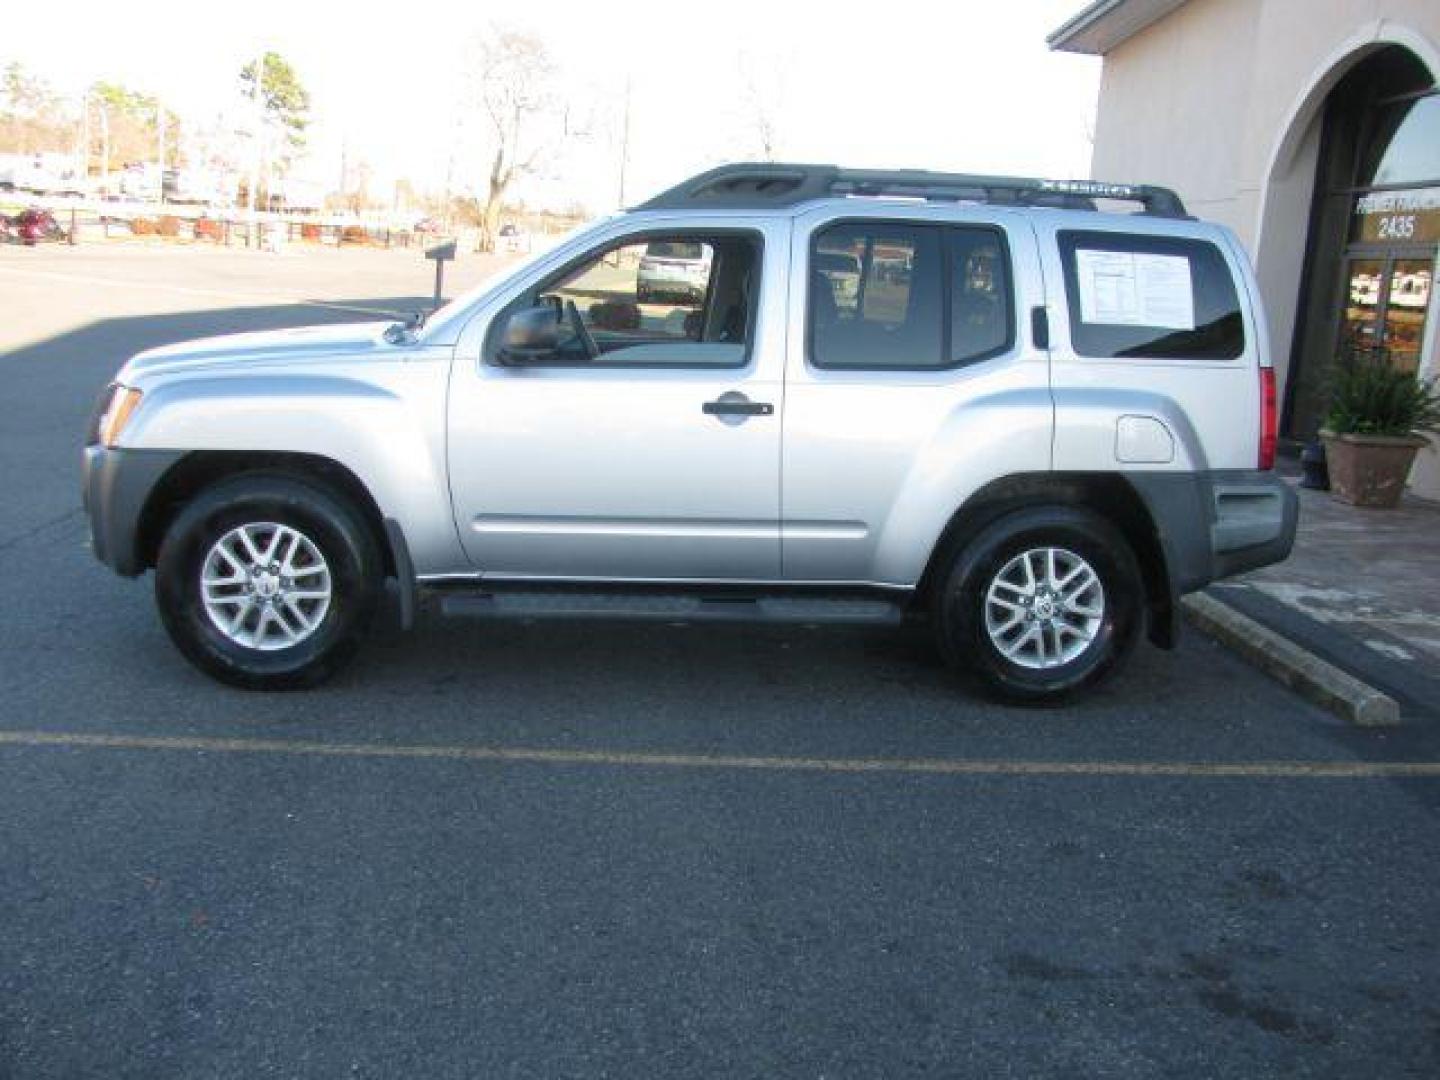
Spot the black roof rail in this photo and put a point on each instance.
(752, 186)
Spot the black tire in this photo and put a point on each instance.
(343, 539)
(961, 603)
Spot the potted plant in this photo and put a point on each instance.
(1372, 432)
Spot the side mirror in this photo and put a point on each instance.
(531, 334)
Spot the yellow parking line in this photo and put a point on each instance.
(651, 759)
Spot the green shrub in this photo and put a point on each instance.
(1371, 397)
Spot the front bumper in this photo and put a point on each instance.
(1218, 524)
(115, 486)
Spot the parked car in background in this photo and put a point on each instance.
(141, 182)
(1411, 291)
(36, 226)
(513, 240)
(674, 271)
(42, 174)
(842, 270)
(198, 187)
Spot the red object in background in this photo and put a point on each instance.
(33, 226)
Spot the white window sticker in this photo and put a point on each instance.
(1127, 289)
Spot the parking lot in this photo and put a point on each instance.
(551, 851)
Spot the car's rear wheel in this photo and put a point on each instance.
(267, 582)
(1043, 603)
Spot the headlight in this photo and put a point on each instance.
(123, 402)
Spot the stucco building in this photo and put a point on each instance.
(1312, 129)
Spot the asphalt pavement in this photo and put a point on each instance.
(633, 851)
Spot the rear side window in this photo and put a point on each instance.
(1151, 297)
(875, 296)
(982, 322)
(901, 296)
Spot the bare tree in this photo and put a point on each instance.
(133, 119)
(762, 98)
(516, 91)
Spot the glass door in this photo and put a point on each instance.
(1407, 302)
(1360, 318)
(1387, 301)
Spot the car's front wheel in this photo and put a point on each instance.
(267, 582)
(1043, 603)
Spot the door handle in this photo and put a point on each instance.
(1040, 327)
(733, 404)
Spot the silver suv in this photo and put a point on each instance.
(1029, 419)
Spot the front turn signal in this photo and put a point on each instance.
(123, 403)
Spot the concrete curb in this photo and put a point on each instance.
(1311, 677)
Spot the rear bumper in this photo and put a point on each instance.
(1217, 524)
(666, 283)
(115, 486)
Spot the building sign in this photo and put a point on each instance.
(1397, 217)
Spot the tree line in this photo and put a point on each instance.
(514, 106)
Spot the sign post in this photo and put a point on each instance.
(441, 253)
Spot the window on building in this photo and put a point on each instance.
(1404, 143)
(1149, 297)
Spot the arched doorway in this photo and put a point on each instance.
(1374, 228)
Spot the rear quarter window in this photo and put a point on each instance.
(1149, 297)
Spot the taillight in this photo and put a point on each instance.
(1267, 418)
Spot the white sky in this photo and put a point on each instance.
(967, 85)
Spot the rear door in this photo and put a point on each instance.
(911, 380)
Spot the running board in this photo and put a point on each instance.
(670, 607)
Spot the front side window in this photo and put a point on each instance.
(886, 295)
(662, 301)
(1149, 297)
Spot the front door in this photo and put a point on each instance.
(643, 442)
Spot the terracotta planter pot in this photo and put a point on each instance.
(1370, 470)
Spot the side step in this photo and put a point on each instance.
(670, 607)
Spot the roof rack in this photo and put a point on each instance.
(750, 186)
